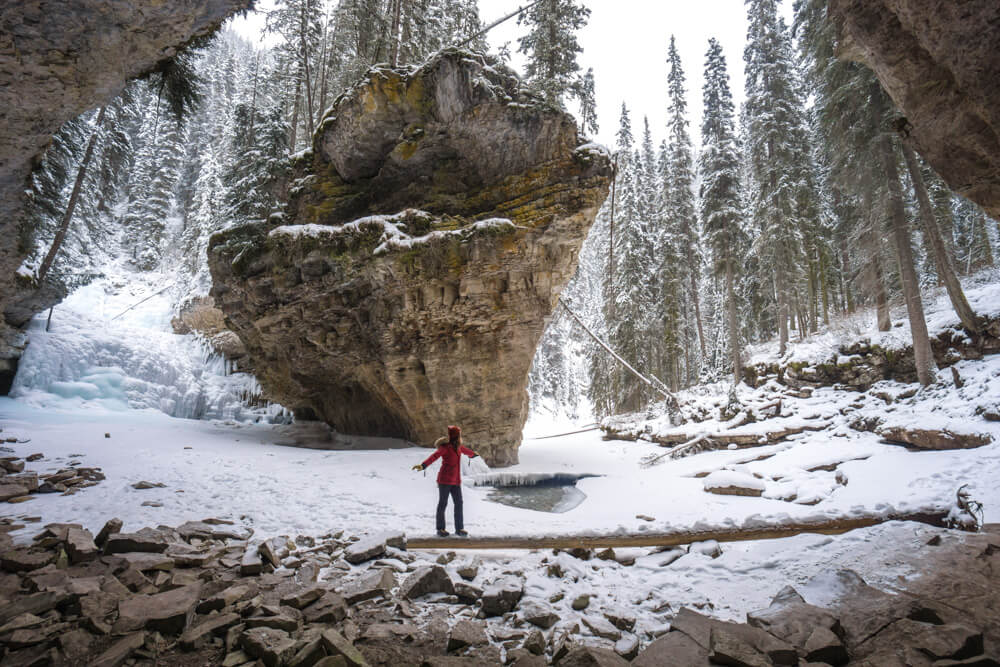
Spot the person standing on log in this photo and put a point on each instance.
(449, 478)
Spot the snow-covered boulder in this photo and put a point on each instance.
(732, 483)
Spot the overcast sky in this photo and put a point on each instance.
(626, 43)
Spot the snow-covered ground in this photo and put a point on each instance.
(101, 392)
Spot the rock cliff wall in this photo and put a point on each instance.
(424, 244)
(939, 60)
(57, 60)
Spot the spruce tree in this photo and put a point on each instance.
(588, 103)
(721, 209)
(679, 208)
(551, 47)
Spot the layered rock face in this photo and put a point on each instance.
(424, 245)
(57, 60)
(939, 61)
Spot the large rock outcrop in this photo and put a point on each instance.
(424, 244)
(59, 59)
(939, 60)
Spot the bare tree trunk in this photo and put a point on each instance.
(875, 274)
(932, 233)
(734, 331)
(813, 290)
(825, 284)
(781, 299)
(845, 286)
(922, 355)
(74, 197)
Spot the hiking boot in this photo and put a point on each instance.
(442, 533)
(462, 533)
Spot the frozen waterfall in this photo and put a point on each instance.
(102, 351)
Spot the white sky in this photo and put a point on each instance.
(626, 43)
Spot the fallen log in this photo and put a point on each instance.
(932, 517)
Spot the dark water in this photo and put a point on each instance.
(541, 498)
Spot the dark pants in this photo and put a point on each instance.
(456, 497)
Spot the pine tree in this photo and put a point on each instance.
(679, 207)
(588, 103)
(721, 210)
(774, 116)
(551, 47)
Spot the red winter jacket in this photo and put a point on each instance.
(451, 459)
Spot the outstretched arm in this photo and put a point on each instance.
(432, 458)
(468, 452)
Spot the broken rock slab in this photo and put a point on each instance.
(169, 612)
(426, 580)
(371, 584)
(936, 439)
(502, 596)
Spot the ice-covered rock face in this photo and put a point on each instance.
(57, 60)
(938, 60)
(424, 245)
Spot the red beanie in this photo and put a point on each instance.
(454, 433)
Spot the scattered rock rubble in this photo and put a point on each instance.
(203, 593)
(17, 484)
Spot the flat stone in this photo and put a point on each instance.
(278, 622)
(31, 458)
(336, 644)
(213, 625)
(120, 651)
(627, 647)
(211, 531)
(367, 548)
(372, 584)
(581, 602)
(539, 615)
(135, 542)
(936, 439)
(591, 656)
(236, 658)
(621, 619)
(80, 546)
(169, 612)
(148, 561)
(96, 609)
(791, 619)
(308, 655)
(426, 580)
(602, 628)
(148, 485)
(273, 647)
(304, 597)
(274, 550)
(502, 596)
(28, 480)
(23, 560)
(725, 648)
(226, 597)
(36, 604)
(112, 527)
(331, 608)
(467, 633)
(824, 646)
(21, 622)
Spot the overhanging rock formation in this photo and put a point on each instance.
(939, 60)
(59, 59)
(424, 244)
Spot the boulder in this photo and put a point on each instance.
(9, 491)
(725, 648)
(337, 645)
(502, 596)
(602, 628)
(150, 542)
(824, 646)
(539, 615)
(110, 528)
(420, 256)
(467, 593)
(729, 483)
(251, 563)
(700, 628)
(304, 597)
(25, 560)
(938, 64)
(272, 647)
(591, 656)
(331, 608)
(581, 602)
(226, 597)
(926, 438)
(80, 546)
(365, 549)
(534, 643)
(467, 633)
(791, 619)
(120, 651)
(213, 625)
(169, 613)
(372, 584)
(426, 580)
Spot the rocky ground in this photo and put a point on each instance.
(205, 593)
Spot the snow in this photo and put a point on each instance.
(394, 236)
(721, 479)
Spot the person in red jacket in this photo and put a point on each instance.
(449, 478)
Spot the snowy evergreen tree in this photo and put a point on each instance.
(721, 208)
(588, 103)
(551, 47)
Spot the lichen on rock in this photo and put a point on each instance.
(422, 248)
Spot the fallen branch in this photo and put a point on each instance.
(934, 517)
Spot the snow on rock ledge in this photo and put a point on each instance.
(424, 244)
